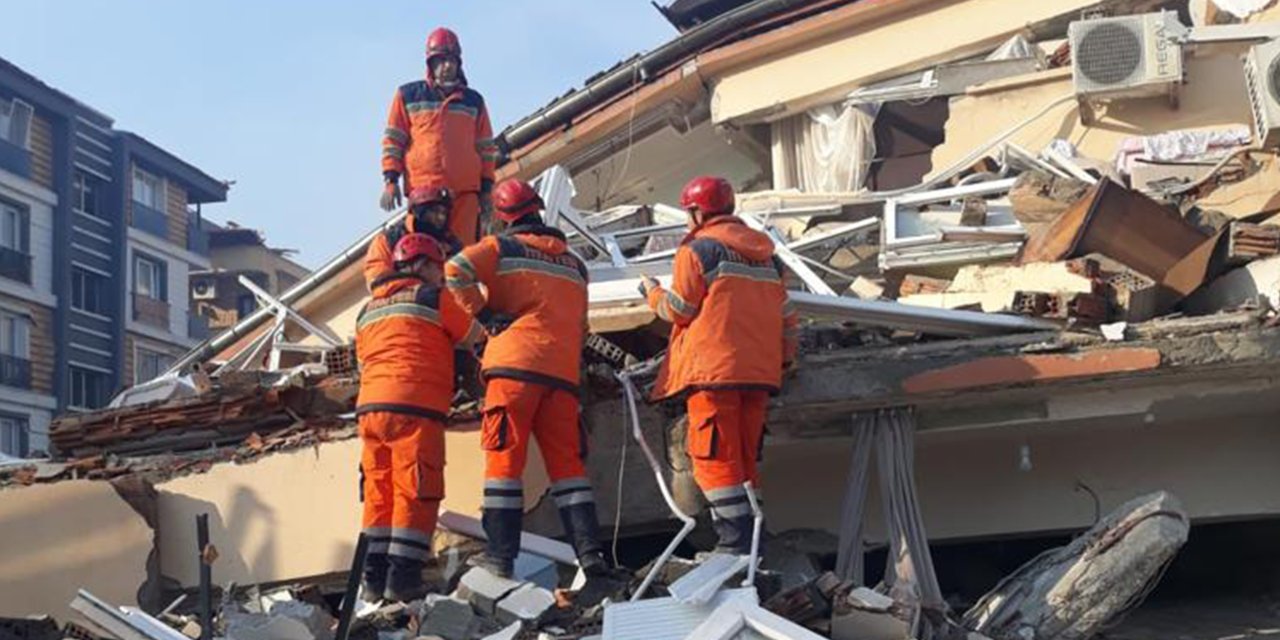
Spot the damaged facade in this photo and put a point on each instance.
(1062, 277)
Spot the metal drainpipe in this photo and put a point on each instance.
(225, 339)
(562, 112)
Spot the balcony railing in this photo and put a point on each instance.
(197, 327)
(197, 240)
(15, 371)
(150, 311)
(147, 219)
(15, 265)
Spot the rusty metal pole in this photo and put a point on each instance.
(353, 589)
(206, 576)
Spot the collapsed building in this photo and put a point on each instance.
(1039, 238)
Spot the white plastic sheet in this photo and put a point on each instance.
(1242, 8)
(1180, 145)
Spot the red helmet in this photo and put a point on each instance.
(428, 194)
(443, 42)
(709, 194)
(514, 199)
(417, 245)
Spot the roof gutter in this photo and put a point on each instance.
(218, 343)
(644, 68)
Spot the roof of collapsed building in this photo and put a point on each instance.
(1029, 275)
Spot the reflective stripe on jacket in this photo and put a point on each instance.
(732, 325)
(405, 338)
(531, 277)
(433, 136)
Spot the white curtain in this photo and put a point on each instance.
(824, 150)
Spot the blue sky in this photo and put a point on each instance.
(289, 98)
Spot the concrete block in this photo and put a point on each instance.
(447, 618)
(508, 633)
(484, 590)
(527, 604)
(537, 569)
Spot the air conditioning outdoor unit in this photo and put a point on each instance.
(1130, 56)
(203, 290)
(1262, 77)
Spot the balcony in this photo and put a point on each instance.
(147, 219)
(14, 158)
(150, 311)
(15, 371)
(197, 327)
(197, 240)
(15, 265)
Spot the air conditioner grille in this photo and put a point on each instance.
(1273, 79)
(1109, 53)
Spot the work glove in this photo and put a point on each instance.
(494, 323)
(647, 284)
(391, 196)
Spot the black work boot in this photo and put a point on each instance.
(374, 580)
(735, 534)
(404, 580)
(503, 527)
(582, 527)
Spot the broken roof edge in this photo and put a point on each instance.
(316, 281)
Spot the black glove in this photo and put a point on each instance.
(494, 323)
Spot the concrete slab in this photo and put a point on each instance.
(526, 604)
(449, 619)
(484, 590)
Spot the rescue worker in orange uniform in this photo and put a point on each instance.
(733, 334)
(536, 308)
(405, 338)
(438, 130)
(430, 210)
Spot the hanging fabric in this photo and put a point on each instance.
(824, 150)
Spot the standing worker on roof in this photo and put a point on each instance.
(438, 131)
(405, 337)
(733, 334)
(536, 311)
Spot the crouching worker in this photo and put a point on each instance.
(531, 293)
(732, 335)
(405, 339)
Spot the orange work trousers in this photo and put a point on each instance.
(402, 469)
(514, 410)
(726, 431)
(464, 221)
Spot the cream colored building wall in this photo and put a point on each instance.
(255, 258)
(826, 70)
(1214, 97)
(58, 538)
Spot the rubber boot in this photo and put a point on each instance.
(404, 579)
(374, 580)
(503, 527)
(583, 529)
(734, 534)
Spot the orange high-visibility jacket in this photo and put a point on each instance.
(733, 327)
(405, 338)
(531, 277)
(434, 136)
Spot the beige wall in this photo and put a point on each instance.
(970, 484)
(42, 151)
(57, 538)
(297, 514)
(1213, 97)
(255, 258)
(826, 70)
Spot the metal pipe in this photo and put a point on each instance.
(227, 338)
(630, 389)
(206, 577)
(757, 525)
(347, 614)
(641, 69)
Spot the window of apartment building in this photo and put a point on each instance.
(13, 227)
(88, 291)
(149, 277)
(85, 192)
(246, 304)
(88, 388)
(15, 334)
(149, 364)
(148, 190)
(13, 435)
(15, 122)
